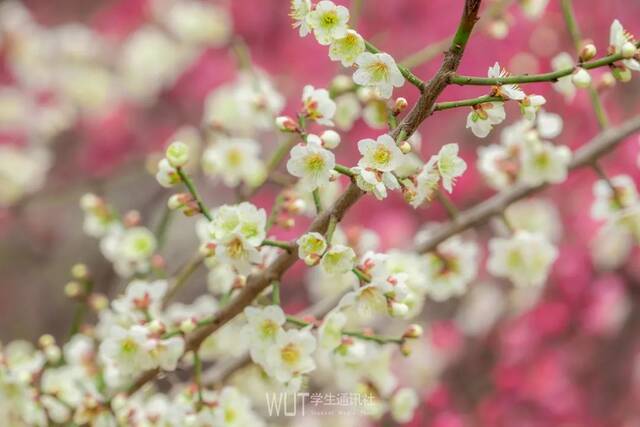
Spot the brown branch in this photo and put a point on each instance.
(480, 213)
(423, 108)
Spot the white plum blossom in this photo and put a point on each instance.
(403, 403)
(449, 165)
(530, 105)
(380, 71)
(166, 353)
(311, 247)
(509, 91)
(128, 350)
(424, 185)
(312, 163)
(197, 22)
(318, 105)
(348, 110)
(621, 41)
(375, 182)
(450, 268)
(330, 332)
(263, 327)
(535, 216)
(543, 161)
(381, 154)
(244, 219)
(338, 259)
(235, 250)
(167, 175)
(328, 21)
(347, 49)
(141, 297)
(524, 258)
(299, 12)
(549, 125)
(234, 160)
(291, 355)
(484, 117)
(137, 244)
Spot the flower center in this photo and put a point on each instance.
(290, 354)
(235, 248)
(129, 346)
(382, 155)
(379, 71)
(314, 163)
(234, 158)
(269, 329)
(329, 19)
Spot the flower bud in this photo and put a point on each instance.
(178, 154)
(405, 147)
(132, 219)
(207, 249)
(606, 81)
(581, 78)
(73, 289)
(330, 139)
(628, 50)
(286, 124)
(498, 29)
(400, 105)
(405, 349)
(398, 309)
(98, 302)
(156, 326)
(176, 201)
(341, 83)
(53, 353)
(296, 206)
(188, 325)
(621, 73)
(79, 271)
(46, 340)
(588, 52)
(366, 94)
(312, 137)
(413, 331)
(89, 201)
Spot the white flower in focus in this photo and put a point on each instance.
(450, 166)
(290, 356)
(426, 184)
(530, 105)
(299, 12)
(328, 21)
(564, 85)
(339, 259)
(244, 219)
(382, 154)
(541, 162)
(312, 163)
(330, 332)
(621, 41)
(238, 252)
(375, 182)
(318, 105)
(524, 258)
(311, 246)
(347, 49)
(380, 71)
(510, 91)
(403, 403)
(484, 116)
(167, 352)
(263, 328)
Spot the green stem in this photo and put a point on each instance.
(412, 78)
(364, 277)
(197, 374)
(277, 244)
(163, 227)
(316, 200)
(452, 210)
(533, 78)
(275, 292)
(183, 275)
(467, 102)
(333, 222)
(194, 192)
(344, 170)
(356, 334)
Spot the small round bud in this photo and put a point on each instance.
(73, 289)
(156, 326)
(341, 83)
(313, 138)
(413, 331)
(498, 29)
(405, 349)
(89, 201)
(79, 271)
(53, 353)
(119, 401)
(188, 325)
(400, 105)
(405, 147)
(588, 52)
(178, 154)
(398, 309)
(581, 78)
(628, 50)
(158, 262)
(98, 302)
(621, 74)
(286, 124)
(207, 249)
(296, 206)
(175, 202)
(287, 223)
(330, 139)
(607, 81)
(46, 340)
(366, 94)
(132, 219)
